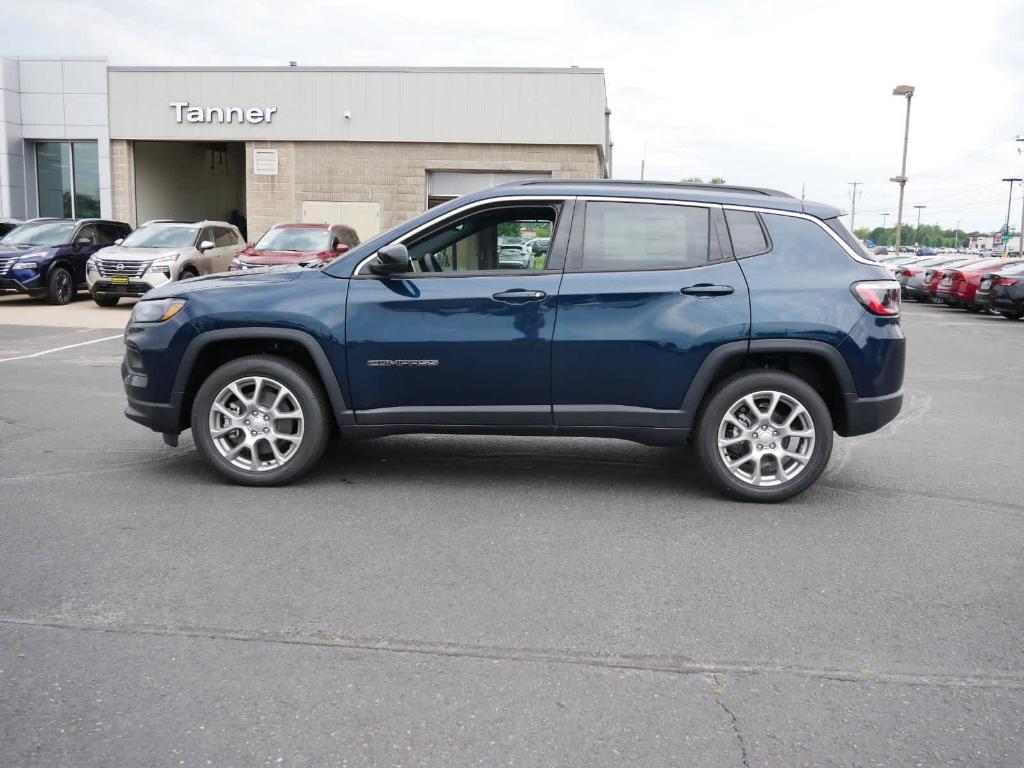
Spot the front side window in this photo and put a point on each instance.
(630, 236)
(43, 233)
(86, 232)
(67, 179)
(293, 239)
(156, 236)
(225, 238)
(489, 240)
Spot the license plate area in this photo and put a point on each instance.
(119, 280)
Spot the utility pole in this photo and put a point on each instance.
(956, 235)
(917, 234)
(1006, 230)
(908, 92)
(884, 217)
(853, 203)
(643, 162)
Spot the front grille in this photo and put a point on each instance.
(6, 264)
(117, 268)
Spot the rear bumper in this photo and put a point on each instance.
(868, 414)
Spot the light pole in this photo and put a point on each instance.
(917, 234)
(908, 91)
(1009, 202)
(1020, 240)
(853, 203)
(956, 236)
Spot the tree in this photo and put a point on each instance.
(699, 180)
(718, 180)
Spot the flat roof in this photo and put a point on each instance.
(301, 68)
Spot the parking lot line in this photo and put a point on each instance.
(59, 349)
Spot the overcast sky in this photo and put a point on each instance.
(777, 94)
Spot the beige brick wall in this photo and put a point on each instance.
(122, 180)
(392, 174)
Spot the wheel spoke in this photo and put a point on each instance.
(233, 388)
(220, 432)
(780, 471)
(755, 476)
(288, 438)
(245, 454)
(752, 405)
(737, 463)
(727, 441)
(776, 396)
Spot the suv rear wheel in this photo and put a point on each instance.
(764, 435)
(260, 420)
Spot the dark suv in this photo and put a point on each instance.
(46, 257)
(741, 319)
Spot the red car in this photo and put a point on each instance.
(297, 244)
(934, 275)
(958, 287)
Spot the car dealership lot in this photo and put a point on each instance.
(435, 600)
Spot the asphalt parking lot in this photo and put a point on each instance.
(448, 601)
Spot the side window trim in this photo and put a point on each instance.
(555, 262)
(576, 246)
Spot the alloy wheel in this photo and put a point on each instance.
(256, 423)
(63, 287)
(766, 438)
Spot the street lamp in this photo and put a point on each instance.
(1009, 202)
(908, 91)
(1020, 240)
(920, 242)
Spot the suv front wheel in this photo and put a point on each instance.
(260, 420)
(764, 435)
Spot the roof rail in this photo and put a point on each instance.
(644, 183)
(167, 221)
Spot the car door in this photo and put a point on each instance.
(229, 243)
(78, 253)
(458, 341)
(650, 288)
(206, 260)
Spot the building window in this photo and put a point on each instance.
(68, 179)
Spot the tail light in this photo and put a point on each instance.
(879, 297)
(1005, 281)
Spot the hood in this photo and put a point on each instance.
(26, 250)
(227, 280)
(276, 257)
(137, 254)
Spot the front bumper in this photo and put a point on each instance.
(104, 285)
(23, 281)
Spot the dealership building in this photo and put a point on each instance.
(364, 146)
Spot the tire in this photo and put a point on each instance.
(60, 286)
(808, 454)
(249, 466)
(1012, 315)
(186, 273)
(972, 308)
(106, 301)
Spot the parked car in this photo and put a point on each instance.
(515, 256)
(6, 225)
(160, 252)
(881, 250)
(297, 244)
(47, 257)
(912, 275)
(659, 339)
(958, 286)
(1003, 291)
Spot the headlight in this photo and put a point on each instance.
(156, 311)
(164, 267)
(25, 265)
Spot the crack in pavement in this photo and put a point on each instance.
(679, 665)
(744, 757)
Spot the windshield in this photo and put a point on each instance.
(155, 236)
(43, 233)
(289, 239)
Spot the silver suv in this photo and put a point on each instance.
(159, 252)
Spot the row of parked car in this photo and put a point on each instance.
(975, 282)
(56, 258)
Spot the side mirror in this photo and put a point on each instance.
(205, 246)
(83, 240)
(394, 259)
(340, 248)
(119, 241)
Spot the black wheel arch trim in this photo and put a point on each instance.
(730, 351)
(342, 414)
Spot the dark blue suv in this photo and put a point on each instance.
(46, 257)
(740, 319)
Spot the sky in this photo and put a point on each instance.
(792, 95)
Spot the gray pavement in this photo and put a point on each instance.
(447, 601)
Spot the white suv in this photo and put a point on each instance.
(159, 252)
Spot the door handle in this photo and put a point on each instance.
(519, 296)
(706, 290)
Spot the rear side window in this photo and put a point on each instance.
(747, 234)
(629, 236)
